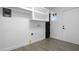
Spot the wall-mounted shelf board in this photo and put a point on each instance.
(27, 8)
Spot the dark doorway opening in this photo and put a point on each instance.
(47, 28)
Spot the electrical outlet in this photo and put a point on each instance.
(32, 34)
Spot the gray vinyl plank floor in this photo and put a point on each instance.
(49, 44)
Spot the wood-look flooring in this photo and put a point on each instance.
(50, 44)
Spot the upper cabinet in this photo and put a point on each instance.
(39, 13)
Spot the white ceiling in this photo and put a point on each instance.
(50, 8)
(60, 8)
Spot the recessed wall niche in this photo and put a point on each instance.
(6, 12)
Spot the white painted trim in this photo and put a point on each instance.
(17, 46)
(63, 40)
(12, 47)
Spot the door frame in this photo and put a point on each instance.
(46, 34)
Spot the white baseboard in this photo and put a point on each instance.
(17, 46)
(12, 47)
(63, 40)
(56, 37)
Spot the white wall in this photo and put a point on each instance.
(15, 31)
(68, 17)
